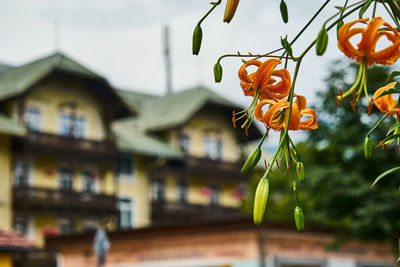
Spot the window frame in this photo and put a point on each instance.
(27, 182)
(126, 206)
(93, 186)
(28, 115)
(184, 143)
(131, 175)
(213, 143)
(72, 176)
(75, 122)
(155, 196)
(215, 196)
(182, 190)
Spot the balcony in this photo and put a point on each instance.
(66, 146)
(163, 211)
(202, 167)
(40, 200)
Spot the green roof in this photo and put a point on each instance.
(10, 127)
(175, 109)
(130, 139)
(5, 67)
(135, 100)
(16, 80)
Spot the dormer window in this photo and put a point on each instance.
(32, 118)
(72, 125)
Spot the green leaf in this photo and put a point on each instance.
(340, 8)
(392, 75)
(390, 137)
(287, 46)
(364, 8)
(392, 128)
(284, 12)
(393, 170)
(389, 92)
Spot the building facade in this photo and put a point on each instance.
(76, 153)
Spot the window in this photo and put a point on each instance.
(89, 184)
(21, 225)
(72, 125)
(66, 180)
(65, 227)
(182, 192)
(158, 190)
(125, 213)
(21, 174)
(32, 118)
(214, 200)
(125, 165)
(184, 142)
(213, 148)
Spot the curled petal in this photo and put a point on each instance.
(386, 104)
(279, 90)
(344, 35)
(311, 123)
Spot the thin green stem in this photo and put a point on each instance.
(295, 149)
(262, 139)
(374, 10)
(376, 125)
(209, 11)
(394, 18)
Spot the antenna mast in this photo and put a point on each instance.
(167, 58)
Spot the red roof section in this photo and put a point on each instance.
(12, 239)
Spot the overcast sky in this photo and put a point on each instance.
(121, 39)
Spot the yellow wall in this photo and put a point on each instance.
(215, 124)
(6, 184)
(5, 259)
(39, 222)
(136, 188)
(48, 96)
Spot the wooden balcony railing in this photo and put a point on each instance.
(36, 200)
(172, 211)
(67, 146)
(202, 167)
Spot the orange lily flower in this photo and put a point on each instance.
(277, 114)
(386, 104)
(365, 53)
(261, 85)
(369, 38)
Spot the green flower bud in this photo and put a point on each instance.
(260, 200)
(300, 171)
(321, 42)
(251, 161)
(217, 72)
(197, 37)
(299, 219)
(284, 12)
(368, 147)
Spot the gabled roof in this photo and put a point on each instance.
(17, 80)
(130, 139)
(177, 108)
(135, 100)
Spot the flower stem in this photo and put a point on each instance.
(209, 11)
(376, 125)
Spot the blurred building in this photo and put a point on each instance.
(76, 153)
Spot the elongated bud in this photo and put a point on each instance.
(260, 200)
(284, 12)
(217, 72)
(251, 161)
(367, 147)
(299, 219)
(321, 42)
(230, 9)
(300, 171)
(197, 37)
(287, 46)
